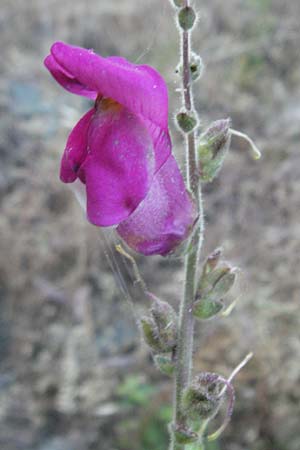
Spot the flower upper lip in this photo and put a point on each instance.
(140, 88)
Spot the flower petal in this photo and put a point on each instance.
(76, 149)
(161, 138)
(165, 217)
(139, 88)
(119, 168)
(67, 80)
(161, 142)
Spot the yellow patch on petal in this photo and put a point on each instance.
(107, 104)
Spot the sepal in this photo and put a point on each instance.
(160, 327)
(165, 318)
(184, 435)
(201, 399)
(212, 148)
(150, 333)
(164, 364)
(206, 309)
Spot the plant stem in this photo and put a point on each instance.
(184, 351)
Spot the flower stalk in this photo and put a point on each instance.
(184, 350)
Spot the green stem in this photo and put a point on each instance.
(201, 446)
(184, 351)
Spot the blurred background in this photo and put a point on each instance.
(74, 372)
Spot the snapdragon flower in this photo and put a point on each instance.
(121, 150)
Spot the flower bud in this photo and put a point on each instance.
(213, 146)
(186, 121)
(151, 335)
(186, 18)
(160, 328)
(165, 319)
(184, 435)
(164, 364)
(201, 399)
(196, 67)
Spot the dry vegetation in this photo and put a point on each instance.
(67, 337)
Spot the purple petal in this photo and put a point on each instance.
(67, 80)
(139, 88)
(120, 165)
(161, 142)
(165, 218)
(76, 149)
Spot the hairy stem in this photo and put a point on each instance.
(184, 351)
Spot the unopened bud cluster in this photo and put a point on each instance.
(212, 147)
(215, 282)
(160, 333)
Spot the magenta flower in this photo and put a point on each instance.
(121, 150)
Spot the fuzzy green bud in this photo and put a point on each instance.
(186, 121)
(201, 399)
(164, 364)
(186, 18)
(212, 148)
(165, 319)
(196, 67)
(196, 404)
(160, 327)
(150, 332)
